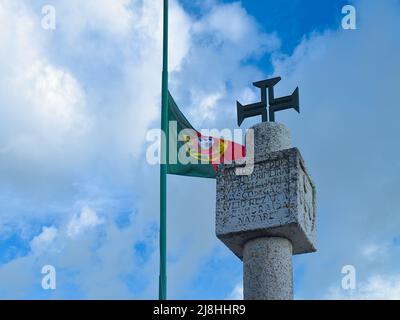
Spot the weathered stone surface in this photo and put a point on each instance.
(267, 269)
(276, 200)
(270, 137)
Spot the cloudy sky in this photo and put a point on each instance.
(76, 103)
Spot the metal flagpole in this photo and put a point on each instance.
(162, 293)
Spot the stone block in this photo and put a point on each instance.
(276, 200)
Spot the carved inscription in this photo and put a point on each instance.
(262, 198)
(276, 200)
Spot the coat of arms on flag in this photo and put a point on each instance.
(205, 149)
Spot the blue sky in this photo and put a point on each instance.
(76, 104)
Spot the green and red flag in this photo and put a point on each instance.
(204, 152)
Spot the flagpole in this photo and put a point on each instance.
(162, 291)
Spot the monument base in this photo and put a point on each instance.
(267, 269)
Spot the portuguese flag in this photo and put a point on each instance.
(203, 153)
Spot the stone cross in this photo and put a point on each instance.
(266, 217)
(275, 104)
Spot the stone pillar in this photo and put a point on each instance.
(266, 217)
(267, 269)
(270, 137)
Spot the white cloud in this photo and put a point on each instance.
(44, 240)
(230, 23)
(213, 73)
(237, 292)
(373, 251)
(55, 96)
(42, 100)
(205, 105)
(86, 220)
(43, 115)
(113, 18)
(375, 288)
(179, 36)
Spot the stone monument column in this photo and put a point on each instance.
(267, 269)
(266, 217)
